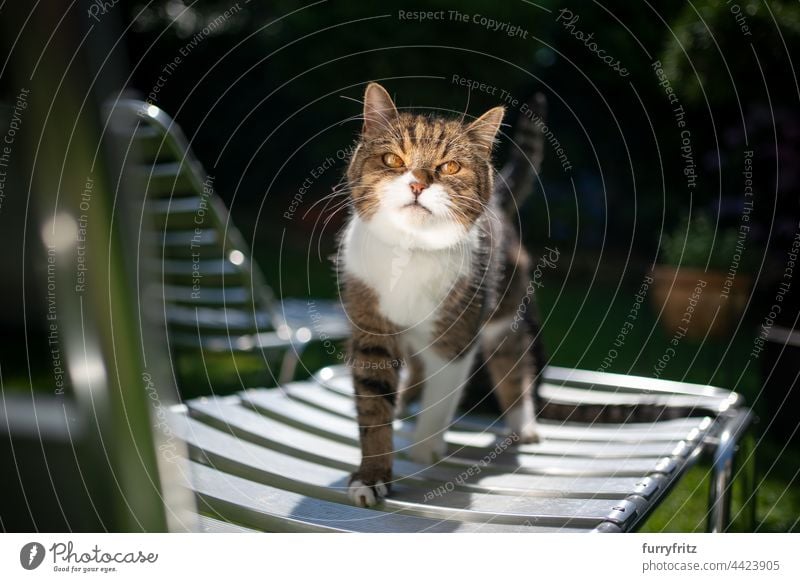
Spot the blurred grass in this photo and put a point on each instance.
(777, 497)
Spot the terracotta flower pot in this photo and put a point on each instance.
(698, 303)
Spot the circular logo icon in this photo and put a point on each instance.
(31, 555)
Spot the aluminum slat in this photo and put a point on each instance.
(252, 504)
(257, 463)
(465, 433)
(277, 405)
(251, 426)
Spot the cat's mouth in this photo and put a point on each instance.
(417, 208)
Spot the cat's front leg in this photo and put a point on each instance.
(375, 378)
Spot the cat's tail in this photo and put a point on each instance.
(520, 174)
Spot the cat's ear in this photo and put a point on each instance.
(484, 129)
(379, 110)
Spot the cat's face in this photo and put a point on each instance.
(419, 181)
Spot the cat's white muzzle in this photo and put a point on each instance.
(424, 222)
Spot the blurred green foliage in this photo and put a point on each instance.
(698, 242)
(711, 47)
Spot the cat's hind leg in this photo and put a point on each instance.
(412, 382)
(512, 367)
(444, 384)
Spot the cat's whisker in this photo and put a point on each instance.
(353, 99)
(386, 122)
(328, 213)
(472, 206)
(484, 206)
(331, 216)
(328, 200)
(333, 206)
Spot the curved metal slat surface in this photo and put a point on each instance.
(207, 524)
(230, 498)
(275, 404)
(338, 379)
(556, 442)
(260, 464)
(338, 386)
(253, 427)
(263, 451)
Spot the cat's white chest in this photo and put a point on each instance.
(411, 284)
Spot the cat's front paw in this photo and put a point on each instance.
(365, 491)
(429, 451)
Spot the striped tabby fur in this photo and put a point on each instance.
(432, 273)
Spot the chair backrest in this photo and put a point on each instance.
(216, 298)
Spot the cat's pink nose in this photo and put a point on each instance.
(417, 188)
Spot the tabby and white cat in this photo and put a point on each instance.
(431, 273)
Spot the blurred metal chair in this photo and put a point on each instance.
(216, 298)
(79, 450)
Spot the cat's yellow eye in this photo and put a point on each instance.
(393, 160)
(450, 167)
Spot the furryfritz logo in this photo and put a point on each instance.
(31, 555)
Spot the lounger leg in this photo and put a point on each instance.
(748, 478)
(719, 502)
(289, 364)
